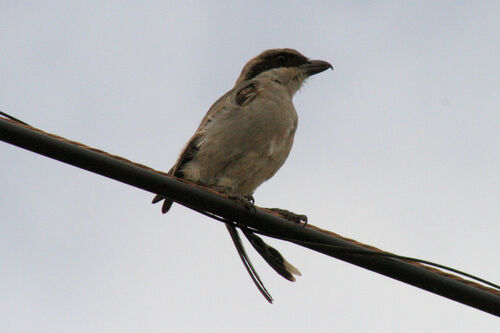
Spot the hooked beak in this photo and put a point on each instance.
(315, 66)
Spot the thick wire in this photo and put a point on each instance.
(140, 176)
(339, 248)
(352, 251)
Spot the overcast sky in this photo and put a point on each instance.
(399, 147)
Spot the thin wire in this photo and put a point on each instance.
(382, 254)
(6, 115)
(396, 256)
(360, 252)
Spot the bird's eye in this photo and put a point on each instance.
(281, 59)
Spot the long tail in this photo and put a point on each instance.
(272, 256)
(247, 263)
(269, 253)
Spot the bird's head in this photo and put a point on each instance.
(286, 65)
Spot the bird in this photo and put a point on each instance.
(245, 137)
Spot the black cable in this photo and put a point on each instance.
(357, 251)
(188, 194)
(388, 255)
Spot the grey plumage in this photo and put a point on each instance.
(247, 134)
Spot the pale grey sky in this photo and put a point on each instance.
(398, 148)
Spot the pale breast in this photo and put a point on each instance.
(243, 146)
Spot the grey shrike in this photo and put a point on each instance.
(245, 137)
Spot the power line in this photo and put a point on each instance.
(120, 169)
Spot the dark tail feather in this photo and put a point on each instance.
(272, 256)
(166, 204)
(158, 198)
(247, 263)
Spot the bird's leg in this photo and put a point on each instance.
(297, 218)
(246, 200)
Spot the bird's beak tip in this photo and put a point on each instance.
(313, 67)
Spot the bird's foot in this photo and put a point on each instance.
(246, 200)
(297, 218)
